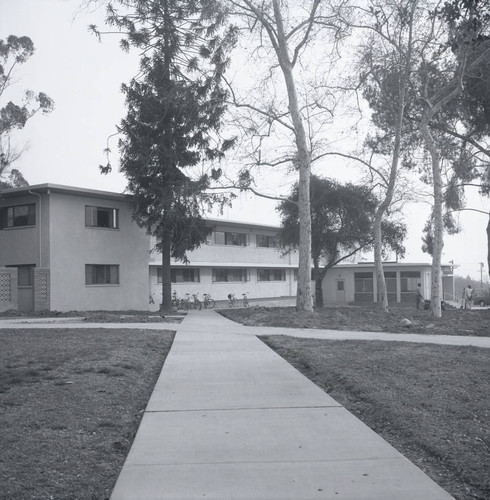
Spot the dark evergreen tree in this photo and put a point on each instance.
(175, 106)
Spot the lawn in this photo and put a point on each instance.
(70, 403)
(368, 319)
(430, 402)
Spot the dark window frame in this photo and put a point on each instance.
(181, 275)
(229, 275)
(274, 275)
(10, 219)
(231, 238)
(265, 241)
(102, 274)
(101, 217)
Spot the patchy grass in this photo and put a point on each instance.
(367, 319)
(70, 404)
(98, 316)
(430, 402)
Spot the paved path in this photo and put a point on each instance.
(230, 419)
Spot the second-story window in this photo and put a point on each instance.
(18, 216)
(265, 241)
(230, 238)
(101, 217)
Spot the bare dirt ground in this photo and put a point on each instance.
(358, 318)
(99, 316)
(430, 402)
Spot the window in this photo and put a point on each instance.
(101, 217)
(409, 281)
(25, 274)
(271, 275)
(101, 274)
(229, 275)
(228, 238)
(390, 281)
(363, 287)
(340, 285)
(264, 241)
(180, 275)
(18, 216)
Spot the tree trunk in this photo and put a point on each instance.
(403, 81)
(488, 245)
(166, 305)
(303, 299)
(318, 275)
(382, 296)
(435, 300)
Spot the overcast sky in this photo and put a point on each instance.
(84, 77)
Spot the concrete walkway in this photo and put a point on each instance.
(230, 419)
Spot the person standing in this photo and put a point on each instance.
(468, 297)
(419, 296)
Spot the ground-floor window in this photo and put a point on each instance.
(390, 281)
(230, 275)
(101, 274)
(184, 275)
(409, 281)
(271, 274)
(363, 287)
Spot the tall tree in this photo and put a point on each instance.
(289, 30)
(386, 61)
(343, 217)
(441, 76)
(13, 116)
(175, 107)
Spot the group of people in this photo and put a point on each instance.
(467, 300)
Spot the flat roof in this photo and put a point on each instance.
(95, 193)
(58, 188)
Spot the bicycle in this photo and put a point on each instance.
(176, 302)
(231, 300)
(196, 303)
(245, 300)
(208, 301)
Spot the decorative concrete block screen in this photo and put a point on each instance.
(41, 289)
(8, 289)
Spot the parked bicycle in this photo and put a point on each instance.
(185, 303)
(245, 300)
(208, 301)
(231, 300)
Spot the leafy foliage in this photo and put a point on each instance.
(13, 51)
(342, 218)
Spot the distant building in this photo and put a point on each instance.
(356, 283)
(64, 248)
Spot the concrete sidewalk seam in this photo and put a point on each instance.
(246, 408)
(263, 462)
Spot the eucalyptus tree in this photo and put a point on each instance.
(293, 38)
(174, 115)
(15, 50)
(343, 216)
(446, 62)
(386, 64)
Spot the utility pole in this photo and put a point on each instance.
(481, 278)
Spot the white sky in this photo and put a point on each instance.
(83, 77)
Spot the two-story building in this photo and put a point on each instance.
(64, 248)
(237, 258)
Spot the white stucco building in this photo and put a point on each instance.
(64, 248)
